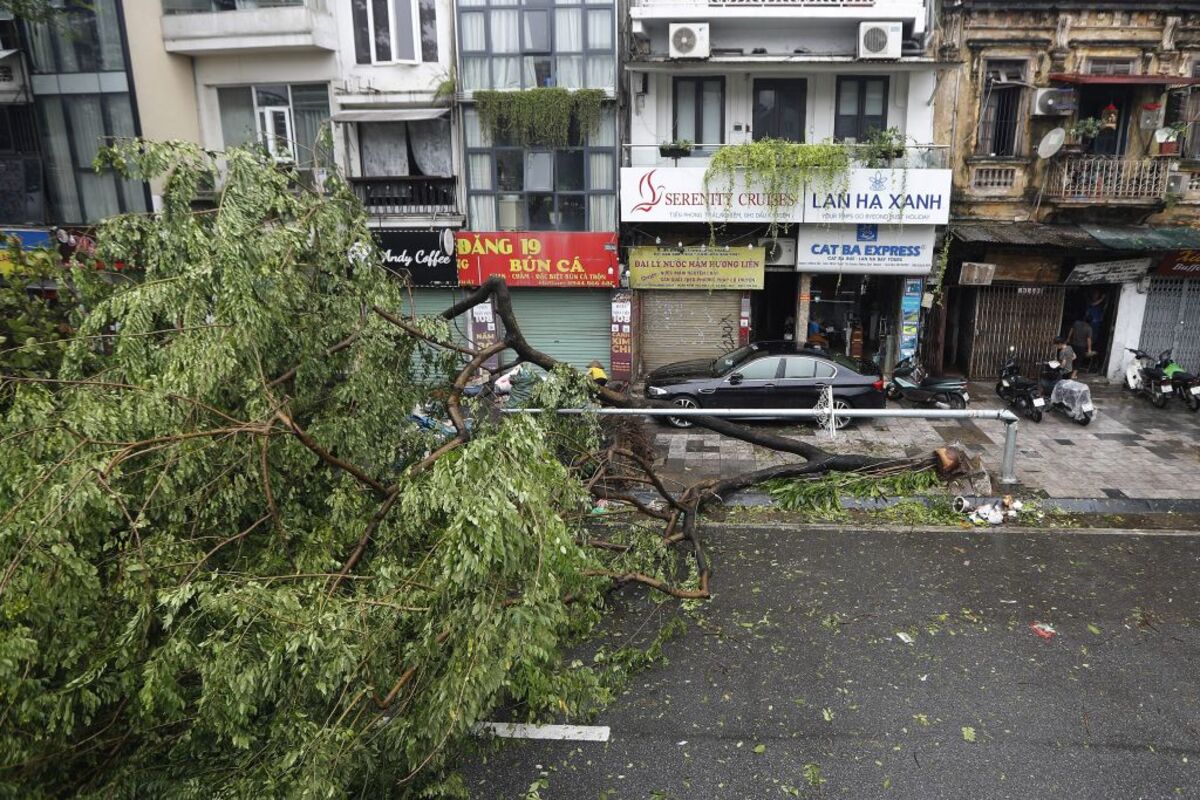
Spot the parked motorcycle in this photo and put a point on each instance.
(1185, 384)
(1146, 376)
(1023, 395)
(1072, 399)
(910, 382)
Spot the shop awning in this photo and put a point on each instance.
(1138, 237)
(1123, 80)
(1031, 234)
(6, 53)
(388, 114)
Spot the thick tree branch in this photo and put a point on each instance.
(413, 330)
(330, 458)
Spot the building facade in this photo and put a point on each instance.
(1075, 138)
(720, 256)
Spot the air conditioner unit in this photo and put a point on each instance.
(780, 252)
(1177, 183)
(1054, 102)
(689, 40)
(879, 41)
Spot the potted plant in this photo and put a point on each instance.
(1085, 129)
(1171, 145)
(681, 148)
(882, 147)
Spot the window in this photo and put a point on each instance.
(510, 45)
(516, 188)
(17, 131)
(700, 110)
(1110, 66)
(861, 108)
(763, 369)
(779, 107)
(1001, 109)
(286, 120)
(799, 367)
(387, 31)
(1190, 102)
(81, 40)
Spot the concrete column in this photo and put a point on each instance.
(1127, 330)
(803, 301)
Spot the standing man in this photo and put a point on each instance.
(1081, 338)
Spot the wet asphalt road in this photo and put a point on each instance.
(796, 661)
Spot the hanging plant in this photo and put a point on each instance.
(540, 117)
(780, 169)
(881, 148)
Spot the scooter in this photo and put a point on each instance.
(910, 382)
(1185, 384)
(1147, 376)
(1072, 399)
(1023, 395)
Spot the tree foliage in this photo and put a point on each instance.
(229, 563)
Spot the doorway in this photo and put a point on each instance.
(1096, 305)
(1092, 102)
(779, 108)
(773, 310)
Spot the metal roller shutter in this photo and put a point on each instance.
(1173, 320)
(681, 325)
(431, 302)
(572, 325)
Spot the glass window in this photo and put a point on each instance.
(535, 35)
(600, 29)
(1110, 66)
(570, 72)
(236, 105)
(1002, 109)
(540, 208)
(537, 71)
(472, 32)
(700, 110)
(799, 367)
(825, 370)
(394, 30)
(571, 213)
(568, 170)
(429, 32)
(861, 107)
(505, 38)
(510, 171)
(539, 167)
(568, 30)
(760, 369)
(600, 171)
(479, 171)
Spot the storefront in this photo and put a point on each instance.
(561, 286)
(693, 302)
(1172, 316)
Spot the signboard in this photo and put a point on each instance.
(1123, 271)
(895, 196)
(1180, 264)
(538, 258)
(696, 268)
(910, 316)
(866, 249)
(975, 273)
(25, 240)
(425, 258)
(678, 194)
(485, 330)
(622, 334)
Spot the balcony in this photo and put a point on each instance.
(917, 156)
(228, 27)
(1089, 180)
(407, 196)
(811, 10)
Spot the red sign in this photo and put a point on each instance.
(527, 258)
(1181, 264)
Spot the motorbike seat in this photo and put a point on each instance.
(1185, 377)
(1023, 383)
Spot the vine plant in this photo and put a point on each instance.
(540, 116)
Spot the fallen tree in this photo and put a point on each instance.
(232, 564)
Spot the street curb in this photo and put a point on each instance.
(1007, 530)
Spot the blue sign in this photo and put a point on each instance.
(910, 316)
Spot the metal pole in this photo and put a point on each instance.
(1003, 415)
(1008, 471)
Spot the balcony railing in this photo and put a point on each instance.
(1087, 179)
(919, 156)
(407, 196)
(209, 6)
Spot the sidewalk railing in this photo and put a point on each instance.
(1008, 474)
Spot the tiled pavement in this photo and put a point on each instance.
(1131, 449)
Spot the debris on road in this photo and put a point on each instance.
(1043, 630)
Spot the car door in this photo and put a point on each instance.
(798, 385)
(750, 385)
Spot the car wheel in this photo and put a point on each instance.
(682, 422)
(841, 422)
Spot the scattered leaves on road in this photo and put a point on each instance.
(968, 734)
(812, 774)
(827, 713)
(760, 748)
(1094, 629)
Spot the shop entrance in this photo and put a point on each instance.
(773, 310)
(856, 315)
(1096, 305)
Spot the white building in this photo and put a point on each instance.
(718, 73)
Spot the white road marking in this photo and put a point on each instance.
(578, 733)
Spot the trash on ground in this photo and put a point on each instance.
(990, 513)
(1043, 630)
(904, 637)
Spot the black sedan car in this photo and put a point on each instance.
(766, 375)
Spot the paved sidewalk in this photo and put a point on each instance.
(1131, 449)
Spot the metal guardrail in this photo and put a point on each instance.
(1008, 474)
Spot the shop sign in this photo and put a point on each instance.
(25, 240)
(697, 268)
(484, 326)
(538, 258)
(866, 249)
(1180, 264)
(622, 334)
(678, 194)
(910, 316)
(895, 196)
(425, 258)
(1123, 271)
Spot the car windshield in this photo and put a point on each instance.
(730, 360)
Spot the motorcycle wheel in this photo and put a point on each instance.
(1158, 399)
(1000, 389)
(1086, 420)
(1036, 415)
(893, 391)
(956, 401)
(1193, 402)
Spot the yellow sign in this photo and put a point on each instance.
(738, 268)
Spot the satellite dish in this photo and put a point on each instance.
(1051, 143)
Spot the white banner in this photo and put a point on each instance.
(866, 249)
(896, 196)
(678, 194)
